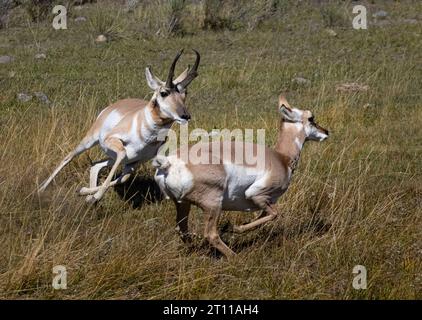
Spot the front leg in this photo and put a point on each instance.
(182, 220)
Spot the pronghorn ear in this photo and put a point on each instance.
(153, 82)
(287, 112)
(282, 101)
(182, 76)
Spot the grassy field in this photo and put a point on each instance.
(355, 199)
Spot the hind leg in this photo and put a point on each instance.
(257, 194)
(270, 212)
(128, 170)
(83, 146)
(93, 175)
(115, 145)
(95, 171)
(211, 233)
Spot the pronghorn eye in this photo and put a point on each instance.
(164, 94)
(311, 119)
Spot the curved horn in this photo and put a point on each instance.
(169, 82)
(192, 74)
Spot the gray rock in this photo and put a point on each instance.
(131, 5)
(410, 21)
(381, 14)
(3, 20)
(382, 23)
(6, 59)
(24, 97)
(5, 7)
(42, 97)
(80, 19)
(40, 56)
(101, 38)
(351, 87)
(153, 222)
(301, 81)
(331, 32)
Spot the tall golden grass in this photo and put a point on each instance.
(355, 199)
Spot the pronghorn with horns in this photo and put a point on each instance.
(223, 183)
(131, 131)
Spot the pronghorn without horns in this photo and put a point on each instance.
(131, 131)
(223, 184)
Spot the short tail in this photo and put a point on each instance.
(161, 162)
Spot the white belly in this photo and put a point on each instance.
(141, 153)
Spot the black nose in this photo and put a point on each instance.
(186, 116)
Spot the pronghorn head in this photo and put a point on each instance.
(170, 96)
(303, 120)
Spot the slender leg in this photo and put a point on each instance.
(182, 220)
(64, 162)
(259, 215)
(93, 176)
(211, 233)
(127, 172)
(95, 170)
(83, 146)
(115, 145)
(271, 215)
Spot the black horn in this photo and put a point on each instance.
(169, 82)
(192, 73)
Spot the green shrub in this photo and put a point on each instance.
(213, 19)
(334, 15)
(107, 22)
(239, 14)
(175, 16)
(38, 10)
(162, 18)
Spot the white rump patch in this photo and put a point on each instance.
(176, 179)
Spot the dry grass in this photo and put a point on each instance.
(355, 199)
